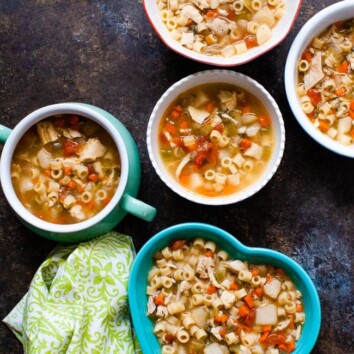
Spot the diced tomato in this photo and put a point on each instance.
(276, 338)
(70, 147)
(59, 122)
(315, 96)
(74, 119)
(169, 337)
(199, 159)
(175, 114)
(250, 318)
(213, 154)
(210, 107)
(183, 124)
(170, 128)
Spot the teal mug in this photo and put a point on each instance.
(124, 200)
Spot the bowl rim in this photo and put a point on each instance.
(314, 26)
(137, 303)
(235, 60)
(15, 136)
(217, 76)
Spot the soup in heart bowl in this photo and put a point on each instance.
(71, 172)
(195, 288)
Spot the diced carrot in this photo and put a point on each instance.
(159, 299)
(211, 289)
(192, 147)
(210, 107)
(290, 346)
(183, 124)
(246, 109)
(263, 337)
(291, 324)
(178, 108)
(93, 177)
(212, 13)
(233, 286)
(280, 272)
(91, 204)
(264, 121)
(324, 126)
(255, 272)
(67, 171)
(282, 346)
(315, 96)
(259, 291)
(176, 245)
(352, 133)
(307, 55)
(209, 253)
(245, 143)
(219, 127)
(47, 173)
(352, 105)
(339, 24)
(72, 184)
(170, 128)
(223, 331)
(107, 200)
(175, 114)
(299, 308)
(343, 68)
(266, 328)
(340, 92)
(222, 318)
(251, 41)
(243, 311)
(351, 113)
(248, 300)
(276, 338)
(80, 188)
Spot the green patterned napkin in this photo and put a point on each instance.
(77, 301)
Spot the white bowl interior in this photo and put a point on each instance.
(15, 136)
(339, 11)
(280, 31)
(216, 76)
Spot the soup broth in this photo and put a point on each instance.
(325, 80)
(216, 139)
(65, 169)
(201, 301)
(221, 28)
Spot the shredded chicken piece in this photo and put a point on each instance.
(315, 73)
(219, 26)
(47, 132)
(228, 99)
(151, 305)
(235, 266)
(202, 266)
(92, 150)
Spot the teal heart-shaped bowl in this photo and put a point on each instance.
(144, 261)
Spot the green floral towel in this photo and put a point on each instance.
(77, 301)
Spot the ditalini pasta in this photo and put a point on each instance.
(65, 169)
(218, 27)
(216, 139)
(228, 306)
(325, 79)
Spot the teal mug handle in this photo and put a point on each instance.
(137, 208)
(4, 133)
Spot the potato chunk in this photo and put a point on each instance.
(267, 315)
(272, 289)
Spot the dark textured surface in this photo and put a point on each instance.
(105, 53)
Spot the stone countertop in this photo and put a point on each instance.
(105, 53)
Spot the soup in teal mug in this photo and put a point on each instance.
(61, 155)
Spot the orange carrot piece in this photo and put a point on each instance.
(299, 308)
(175, 114)
(223, 331)
(210, 107)
(264, 121)
(263, 337)
(248, 300)
(176, 245)
(47, 173)
(67, 171)
(159, 299)
(324, 126)
(351, 113)
(340, 92)
(93, 177)
(72, 184)
(245, 143)
(343, 68)
(259, 291)
(233, 286)
(211, 289)
(244, 311)
(246, 109)
(170, 128)
(290, 346)
(255, 272)
(351, 105)
(183, 125)
(222, 318)
(209, 253)
(80, 188)
(266, 328)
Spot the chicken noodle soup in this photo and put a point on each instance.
(325, 81)
(221, 28)
(65, 169)
(216, 139)
(201, 301)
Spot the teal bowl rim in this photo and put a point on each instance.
(143, 262)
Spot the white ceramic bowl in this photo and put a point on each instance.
(207, 77)
(340, 11)
(280, 31)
